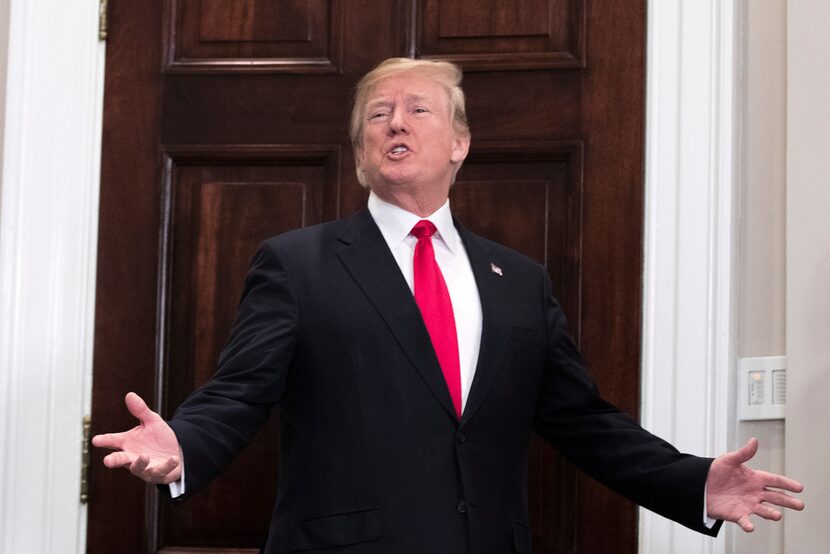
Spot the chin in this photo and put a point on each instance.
(398, 178)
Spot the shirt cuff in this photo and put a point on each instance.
(177, 487)
(708, 522)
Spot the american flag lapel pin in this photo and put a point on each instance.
(496, 269)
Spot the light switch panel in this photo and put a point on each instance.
(762, 388)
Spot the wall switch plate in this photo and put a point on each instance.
(762, 388)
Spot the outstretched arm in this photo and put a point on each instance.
(149, 450)
(734, 491)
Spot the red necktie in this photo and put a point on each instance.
(433, 299)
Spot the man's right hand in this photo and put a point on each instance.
(149, 450)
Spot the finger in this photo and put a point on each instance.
(118, 459)
(108, 440)
(139, 465)
(783, 500)
(745, 523)
(161, 472)
(775, 481)
(766, 512)
(139, 409)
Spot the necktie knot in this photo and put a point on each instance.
(422, 229)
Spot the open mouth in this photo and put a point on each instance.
(399, 150)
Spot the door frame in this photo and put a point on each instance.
(690, 251)
(690, 189)
(52, 125)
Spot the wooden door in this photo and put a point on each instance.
(226, 122)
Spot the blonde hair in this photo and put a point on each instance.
(446, 74)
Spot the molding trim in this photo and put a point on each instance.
(48, 241)
(690, 229)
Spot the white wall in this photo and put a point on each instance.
(4, 54)
(808, 269)
(761, 252)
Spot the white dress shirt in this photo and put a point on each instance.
(395, 224)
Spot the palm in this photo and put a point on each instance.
(734, 491)
(150, 449)
(154, 439)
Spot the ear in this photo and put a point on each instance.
(460, 147)
(358, 156)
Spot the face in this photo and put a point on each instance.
(409, 143)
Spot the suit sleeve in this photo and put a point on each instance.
(608, 444)
(222, 417)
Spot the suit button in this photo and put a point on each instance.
(462, 507)
(460, 438)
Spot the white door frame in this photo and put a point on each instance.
(48, 240)
(689, 250)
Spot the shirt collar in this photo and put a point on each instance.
(395, 223)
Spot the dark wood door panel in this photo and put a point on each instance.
(486, 35)
(257, 110)
(251, 36)
(222, 203)
(219, 204)
(528, 196)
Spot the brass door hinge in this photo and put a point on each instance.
(102, 19)
(87, 423)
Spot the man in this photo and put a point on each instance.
(410, 360)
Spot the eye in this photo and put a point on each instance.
(421, 110)
(377, 115)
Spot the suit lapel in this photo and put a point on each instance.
(367, 258)
(495, 305)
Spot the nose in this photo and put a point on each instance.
(397, 123)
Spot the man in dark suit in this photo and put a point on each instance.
(410, 360)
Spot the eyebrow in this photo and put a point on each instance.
(377, 104)
(386, 101)
(416, 97)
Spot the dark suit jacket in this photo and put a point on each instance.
(373, 458)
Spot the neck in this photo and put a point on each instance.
(420, 203)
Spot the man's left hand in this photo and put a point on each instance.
(734, 491)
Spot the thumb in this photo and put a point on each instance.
(746, 452)
(138, 408)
